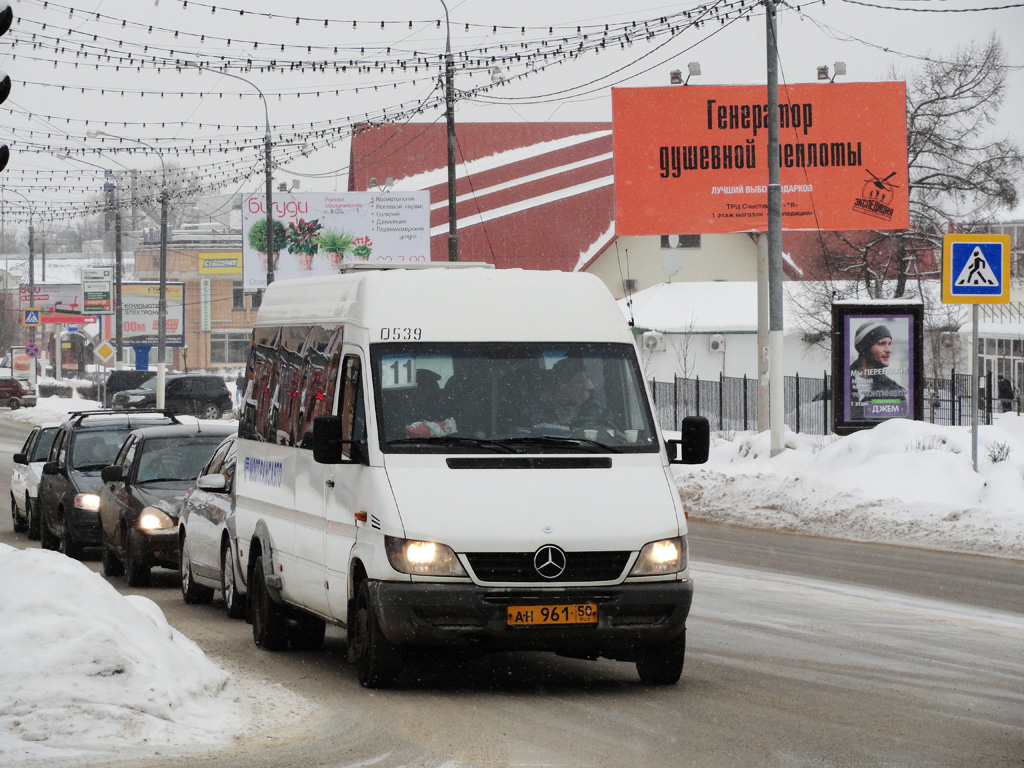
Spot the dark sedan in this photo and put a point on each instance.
(142, 494)
(197, 394)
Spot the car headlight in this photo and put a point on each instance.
(153, 519)
(422, 558)
(90, 502)
(660, 558)
(136, 398)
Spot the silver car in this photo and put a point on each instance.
(28, 469)
(206, 535)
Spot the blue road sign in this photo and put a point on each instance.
(976, 269)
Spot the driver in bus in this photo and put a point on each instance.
(570, 398)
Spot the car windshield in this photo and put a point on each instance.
(511, 397)
(175, 458)
(95, 450)
(149, 384)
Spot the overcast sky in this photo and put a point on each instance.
(199, 121)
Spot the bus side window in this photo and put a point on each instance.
(351, 405)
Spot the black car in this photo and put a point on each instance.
(142, 494)
(195, 394)
(119, 381)
(69, 502)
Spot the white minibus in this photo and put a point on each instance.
(459, 457)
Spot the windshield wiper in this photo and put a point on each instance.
(468, 442)
(561, 442)
(164, 480)
(89, 467)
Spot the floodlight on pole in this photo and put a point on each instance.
(267, 144)
(161, 343)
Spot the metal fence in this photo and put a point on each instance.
(730, 403)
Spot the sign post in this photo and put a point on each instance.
(975, 270)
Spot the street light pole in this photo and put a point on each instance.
(31, 262)
(267, 143)
(161, 307)
(449, 103)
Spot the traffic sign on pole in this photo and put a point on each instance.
(976, 269)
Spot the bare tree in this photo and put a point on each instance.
(961, 176)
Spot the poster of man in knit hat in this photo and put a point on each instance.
(879, 358)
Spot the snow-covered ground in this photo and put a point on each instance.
(903, 482)
(83, 668)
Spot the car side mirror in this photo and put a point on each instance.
(694, 444)
(217, 483)
(112, 474)
(329, 447)
(20, 458)
(51, 468)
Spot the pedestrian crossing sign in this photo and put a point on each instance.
(30, 317)
(976, 269)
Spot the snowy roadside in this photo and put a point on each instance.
(903, 482)
(88, 674)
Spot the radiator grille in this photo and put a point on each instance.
(518, 567)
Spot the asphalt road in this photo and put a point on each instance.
(802, 653)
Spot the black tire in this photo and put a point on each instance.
(269, 621)
(210, 411)
(112, 565)
(378, 660)
(46, 538)
(662, 664)
(14, 403)
(233, 602)
(307, 632)
(32, 516)
(20, 523)
(194, 594)
(136, 572)
(69, 545)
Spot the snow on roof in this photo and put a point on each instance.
(699, 307)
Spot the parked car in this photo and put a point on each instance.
(206, 535)
(69, 502)
(14, 393)
(28, 469)
(197, 394)
(119, 381)
(142, 494)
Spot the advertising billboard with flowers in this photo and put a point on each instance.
(315, 233)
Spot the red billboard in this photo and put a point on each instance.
(694, 159)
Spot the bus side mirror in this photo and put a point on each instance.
(694, 444)
(327, 442)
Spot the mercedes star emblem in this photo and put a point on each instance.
(549, 561)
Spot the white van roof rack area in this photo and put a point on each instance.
(360, 266)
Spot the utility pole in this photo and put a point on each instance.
(775, 327)
(449, 104)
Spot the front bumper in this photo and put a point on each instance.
(83, 527)
(630, 616)
(159, 547)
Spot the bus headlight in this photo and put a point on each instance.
(660, 558)
(422, 558)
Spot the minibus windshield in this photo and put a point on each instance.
(510, 398)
